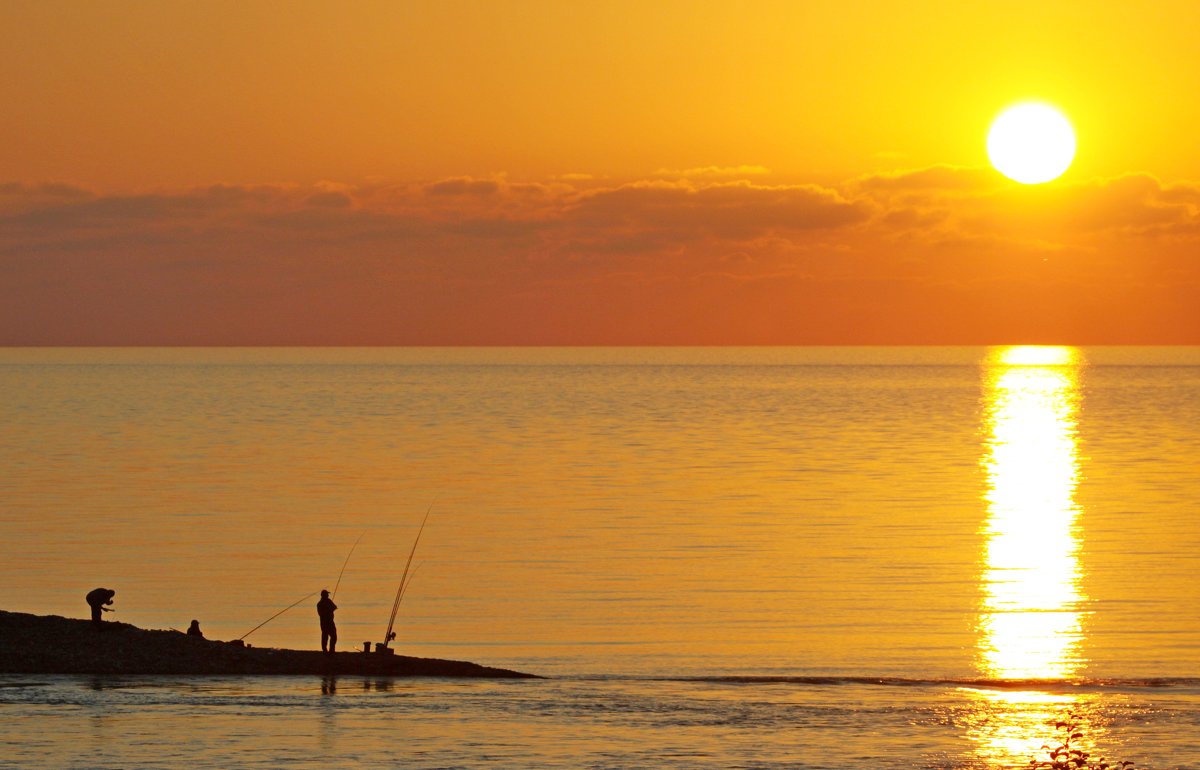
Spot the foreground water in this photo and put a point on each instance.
(574, 723)
(971, 527)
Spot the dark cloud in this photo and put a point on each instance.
(463, 186)
(495, 228)
(330, 199)
(739, 211)
(750, 248)
(970, 204)
(1137, 203)
(51, 190)
(946, 205)
(1182, 193)
(17, 198)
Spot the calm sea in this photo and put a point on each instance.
(768, 557)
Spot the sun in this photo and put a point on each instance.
(1031, 143)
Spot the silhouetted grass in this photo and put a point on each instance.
(1067, 756)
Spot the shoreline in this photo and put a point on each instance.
(51, 644)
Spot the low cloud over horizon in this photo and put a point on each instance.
(713, 255)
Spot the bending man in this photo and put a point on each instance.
(96, 599)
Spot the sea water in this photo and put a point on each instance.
(773, 557)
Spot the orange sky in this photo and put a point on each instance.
(605, 173)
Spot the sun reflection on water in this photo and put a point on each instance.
(1030, 617)
(1010, 727)
(1030, 621)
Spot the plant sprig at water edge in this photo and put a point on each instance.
(1068, 756)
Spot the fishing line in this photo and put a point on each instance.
(277, 614)
(347, 561)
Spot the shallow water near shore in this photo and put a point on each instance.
(303, 722)
(718, 554)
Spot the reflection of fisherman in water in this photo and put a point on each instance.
(325, 609)
(96, 599)
(194, 630)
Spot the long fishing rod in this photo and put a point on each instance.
(347, 561)
(404, 580)
(407, 583)
(277, 614)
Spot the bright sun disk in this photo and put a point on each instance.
(1031, 143)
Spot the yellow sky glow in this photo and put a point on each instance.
(147, 94)
(614, 173)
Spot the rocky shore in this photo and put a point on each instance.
(39, 644)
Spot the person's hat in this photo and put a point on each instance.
(325, 593)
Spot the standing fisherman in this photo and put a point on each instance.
(325, 609)
(96, 599)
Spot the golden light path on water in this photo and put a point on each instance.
(1030, 618)
(1030, 621)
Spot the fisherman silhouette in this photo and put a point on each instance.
(96, 599)
(325, 609)
(194, 630)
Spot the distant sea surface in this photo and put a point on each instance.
(719, 557)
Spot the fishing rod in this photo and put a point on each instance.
(347, 561)
(403, 591)
(277, 614)
(407, 583)
(404, 580)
